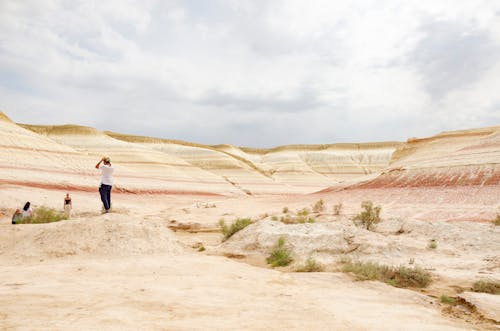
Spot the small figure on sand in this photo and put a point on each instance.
(18, 215)
(106, 182)
(68, 205)
(21, 214)
(27, 210)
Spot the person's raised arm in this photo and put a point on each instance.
(99, 163)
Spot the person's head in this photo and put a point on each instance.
(67, 195)
(26, 206)
(106, 160)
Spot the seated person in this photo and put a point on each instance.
(18, 215)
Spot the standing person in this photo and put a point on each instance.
(68, 205)
(106, 182)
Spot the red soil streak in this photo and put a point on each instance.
(406, 178)
(119, 190)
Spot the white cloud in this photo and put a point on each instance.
(252, 72)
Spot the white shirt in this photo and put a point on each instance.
(106, 174)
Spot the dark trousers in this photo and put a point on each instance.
(105, 191)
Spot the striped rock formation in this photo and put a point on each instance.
(457, 158)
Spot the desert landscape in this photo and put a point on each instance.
(191, 239)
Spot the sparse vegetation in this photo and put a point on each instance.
(396, 276)
(496, 221)
(201, 248)
(303, 212)
(486, 286)
(448, 300)
(370, 215)
(285, 210)
(280, 256)
(275, 218)
(337, 209)
(44, 214)
(319, 206)
(432, 244)
(237, 225)
(310, 266)
(297, 220)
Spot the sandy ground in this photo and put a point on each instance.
(128, 270)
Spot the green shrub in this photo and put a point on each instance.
(274, 218)
(337, 209)
(310, 266)
(44, 214)
(486, 286)
(432, 244)
(237, 225)
(448, 300)
(496, 221)
(280, 255)
(285, 210)
(369, 216)
(319, 206)
(395, 276)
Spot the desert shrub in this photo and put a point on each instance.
(237, 225)
(280, 256)
(310, 266)
(319, 206)
(297, 220)
(369, 216)
(432, 244)
(496, 221)
(396, 276)
(412, 277)
(44, 214)
(337, 209)
(285, 210)
(303, 212)
(486, 286)
(201, 248)
(448, 300)
(274, 218)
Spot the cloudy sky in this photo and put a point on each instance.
(254, 73)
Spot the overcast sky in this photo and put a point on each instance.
(253, 73)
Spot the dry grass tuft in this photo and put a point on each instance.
(319, 206)
(43, 214)
(396, 276)
(486, 286)
(310, 266)
(337, 209)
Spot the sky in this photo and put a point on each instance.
(253, 73)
